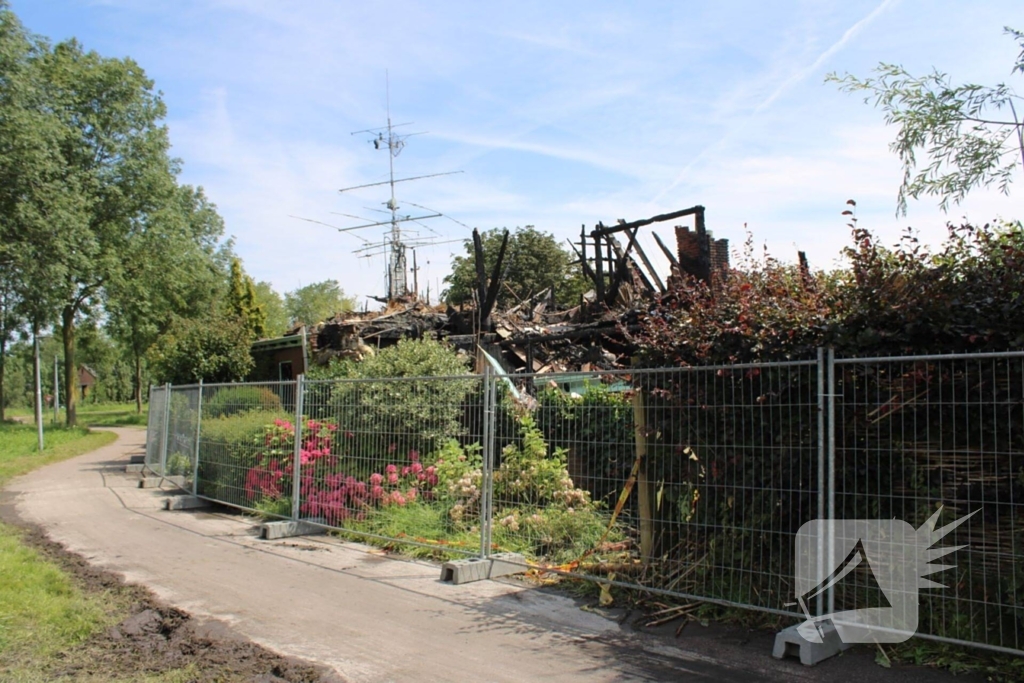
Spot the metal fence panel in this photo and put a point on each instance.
(687, 481)
(245, 443)
(182, 425)
(913, 435)
(396, 459)
(155, 426)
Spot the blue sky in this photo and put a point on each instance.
(557, 114)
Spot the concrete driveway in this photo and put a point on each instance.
(370, 617)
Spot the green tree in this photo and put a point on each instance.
(316, 302)
(272, 303)
(112, 159)
(961, 131)
(242, 301)
(214, 348)
(172, 268)
(534, 261)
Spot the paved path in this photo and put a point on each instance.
(370, 617)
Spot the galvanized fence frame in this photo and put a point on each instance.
(756, 449)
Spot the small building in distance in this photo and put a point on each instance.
(86, 378)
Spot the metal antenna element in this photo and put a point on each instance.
(387, 139)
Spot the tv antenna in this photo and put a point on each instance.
(394, 243)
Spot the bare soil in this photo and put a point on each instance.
(155, 638)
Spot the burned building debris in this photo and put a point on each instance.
(536, 335)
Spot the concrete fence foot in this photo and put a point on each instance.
(271, 531)
(480, 568)
(789, 643)
(185, 503)
(137, 459)
(155, 482)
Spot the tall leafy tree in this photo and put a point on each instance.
(113, 157)
(172, 268)
(952, 138)
(242, 301)
(316, 302)
(35, 191)
(535, 260)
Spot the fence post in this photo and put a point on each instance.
(166, 429)
(821, 472)
(199, 433)
(297, 455)
(645, 499)
(487, 479)
(831, 488)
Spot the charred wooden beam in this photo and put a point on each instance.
(668, 252)
(697, 211)
(646, 261)
(495, 285)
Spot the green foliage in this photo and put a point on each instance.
(317, 302)
(242, 302)
(228, 450)
(242, 399)
(535, 260)
(211, 349)
(595, 428)
(957, 128)
(396, 413)
(272, 304)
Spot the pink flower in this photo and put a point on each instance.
(392, 448)
(411, 495)
(397, 498)
(391, 469)
(416, 468)
(393, 478)
(414, 456)
(377, 492)
(405, 471)
(376, 479)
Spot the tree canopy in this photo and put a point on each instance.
(535, 260)
(317, 302)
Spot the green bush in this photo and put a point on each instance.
(227, 450)
(397, 413)
(242, 399)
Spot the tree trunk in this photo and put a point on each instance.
(70, 369)
(138, 383)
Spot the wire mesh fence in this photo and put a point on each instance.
(913, 435)
(246, 441)
(687, 481)
(156, 428)
(693, 482)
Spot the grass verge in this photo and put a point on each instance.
(93, 415)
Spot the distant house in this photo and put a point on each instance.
(279, 359)
(86, 378)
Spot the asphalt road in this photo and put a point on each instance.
(376, 618)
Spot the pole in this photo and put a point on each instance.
(56, 391)
(297, 453)
(831, 470)
(39, 390)
(821, 474)
(488, 464)
(199, 433)
(167, 429)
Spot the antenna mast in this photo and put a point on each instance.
(394, 244)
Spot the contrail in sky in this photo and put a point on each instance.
(795, 78)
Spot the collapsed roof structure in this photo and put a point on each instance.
(536, 335)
